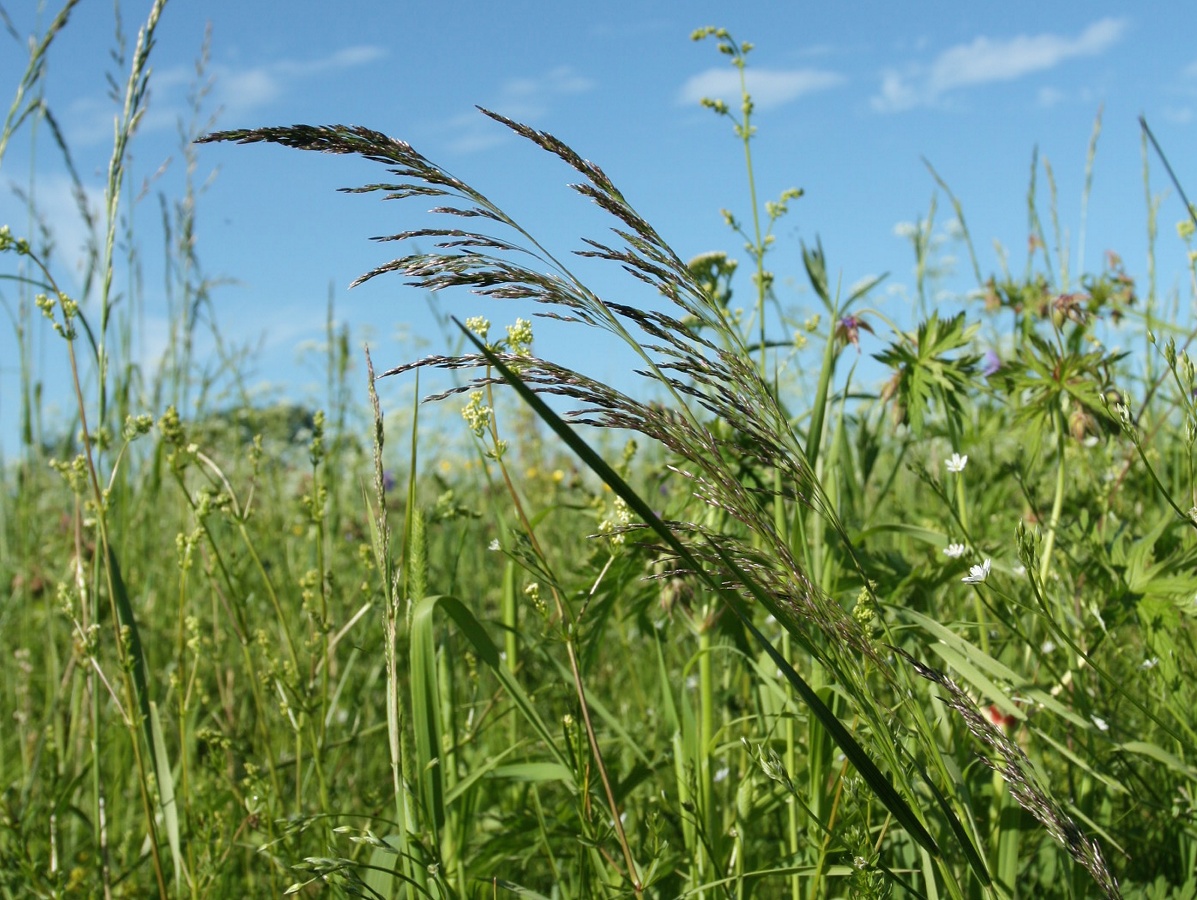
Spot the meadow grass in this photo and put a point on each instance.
(741, 635)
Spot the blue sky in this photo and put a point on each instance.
(850, 98)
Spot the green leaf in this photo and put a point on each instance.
(926, 375)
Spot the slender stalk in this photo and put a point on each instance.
(412, 875)
(1053, 523)
(760, 277)
(136, 92)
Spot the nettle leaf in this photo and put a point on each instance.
(926, 375)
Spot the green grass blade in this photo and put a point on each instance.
(166, 795)
(425, 712)
(488, 653)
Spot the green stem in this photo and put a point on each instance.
(818, 410)
(791, 734)
(961, 505)
(706, 740)
(758, 244)
(1057, 504)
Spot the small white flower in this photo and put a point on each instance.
(721, 774)
(1150, 663)
(954, 551)
(1019, 569)
(1100, 723)
(494, 545)
(977, 574)
(957, 463)
(1048, 646)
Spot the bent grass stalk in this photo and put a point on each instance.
(725, 384)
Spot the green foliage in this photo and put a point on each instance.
(927, 378)
(782, 644)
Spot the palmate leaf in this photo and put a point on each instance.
(925, 373)
(1044, 374)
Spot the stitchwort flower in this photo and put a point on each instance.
(977, 574)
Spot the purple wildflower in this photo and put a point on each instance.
(992, 364)
(847, 329)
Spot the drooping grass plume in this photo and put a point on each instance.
(725, 430)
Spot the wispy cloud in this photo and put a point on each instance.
(524, 99)
(55, 206)
(1047, 97)
(236, 91)
(769, 87)
(987, 60)
(241, 90)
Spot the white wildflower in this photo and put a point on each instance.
(1100, 723)
(954, 551)
(957, 463)
(977, 574)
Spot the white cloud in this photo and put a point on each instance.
(523, 99)
(561, 80)
(238, 91)
(247, 89)
(987, 61)
(235, 90)
(1048, 97)
(896, 93)
(474, 133)
(769, 87)
(531, 98)
(357, 56)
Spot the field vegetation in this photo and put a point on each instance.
(756, 627)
